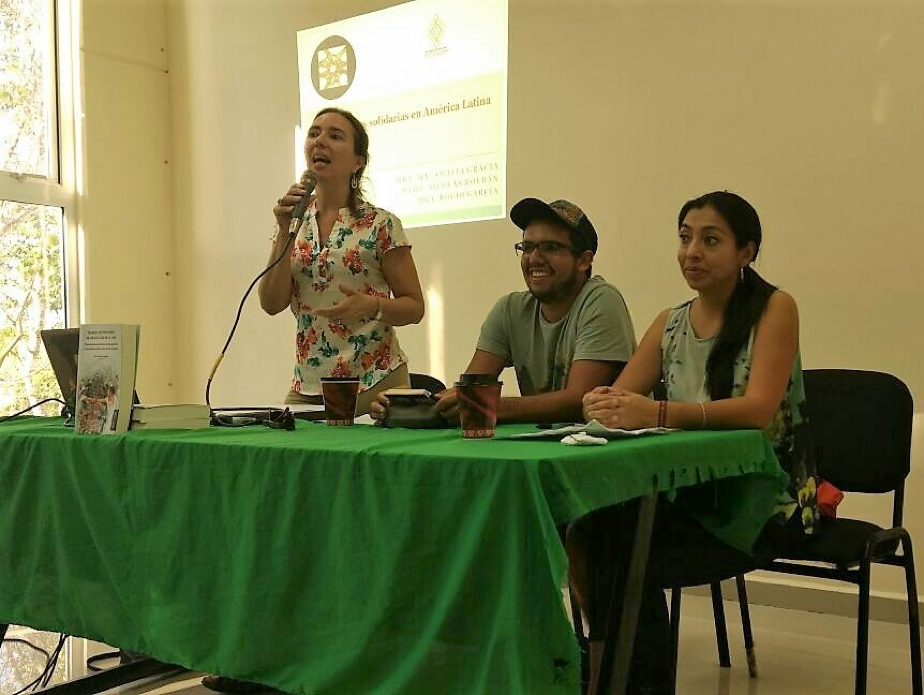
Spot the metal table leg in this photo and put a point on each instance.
(626, 595)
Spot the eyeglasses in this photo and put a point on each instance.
(545, 248)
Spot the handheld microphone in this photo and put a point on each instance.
(298, 214)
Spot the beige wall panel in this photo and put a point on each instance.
(235, 103)
(133, 31)
(812, 110)
(126, 211)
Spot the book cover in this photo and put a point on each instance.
(106, 366)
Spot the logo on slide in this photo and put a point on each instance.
(436, 32)
(333, 67)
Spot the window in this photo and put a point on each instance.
(39, 186)
(37, 192)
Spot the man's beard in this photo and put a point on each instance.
(559, 290)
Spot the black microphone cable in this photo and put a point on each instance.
(55, 655)
(36, 405)
(237, 319)
(45, 676)
(27, 643)
(298, 218)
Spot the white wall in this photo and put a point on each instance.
(814, 111)
(126, 209)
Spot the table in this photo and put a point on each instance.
(326, 560)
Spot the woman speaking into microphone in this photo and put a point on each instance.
(350, 278)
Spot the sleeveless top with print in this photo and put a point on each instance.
(683, 366)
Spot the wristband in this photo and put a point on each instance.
(662, 413)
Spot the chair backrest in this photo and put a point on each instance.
(861, 427)
(425, 381)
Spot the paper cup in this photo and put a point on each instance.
(479, 396)
(340, 399)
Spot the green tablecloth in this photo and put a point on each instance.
(326, 560)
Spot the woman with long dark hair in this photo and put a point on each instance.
(726, 359)
(350, 278)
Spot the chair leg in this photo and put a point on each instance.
(746, 625)
(576, 617)
(914, 621)
(862, 629)
(721, 632)
(675, 635)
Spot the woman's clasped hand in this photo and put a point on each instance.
(620, 409)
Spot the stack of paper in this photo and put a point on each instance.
(175, 416)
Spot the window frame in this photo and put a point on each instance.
(63, 186)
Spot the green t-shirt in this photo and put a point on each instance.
(596, 327)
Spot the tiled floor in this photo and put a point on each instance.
(797, 652)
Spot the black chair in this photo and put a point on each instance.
(425, 381)
(861, 426)
(721, 632)
(660, 393)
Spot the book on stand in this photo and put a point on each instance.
(107, 364)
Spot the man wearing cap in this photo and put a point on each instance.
(567, 334)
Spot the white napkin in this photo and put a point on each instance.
(582, 439)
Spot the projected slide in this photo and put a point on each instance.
(429, 80)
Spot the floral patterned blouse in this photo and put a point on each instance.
(683, 367)
(352, 256)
